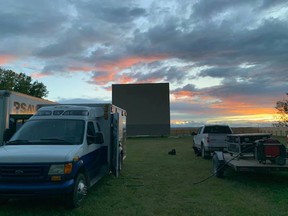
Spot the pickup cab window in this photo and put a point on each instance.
(217, 129)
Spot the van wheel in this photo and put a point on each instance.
(79, 192)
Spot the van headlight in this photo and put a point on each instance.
(60, 169)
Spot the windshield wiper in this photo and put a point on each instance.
(17, 142)
(56, 140)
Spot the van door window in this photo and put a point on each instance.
(98, 126)
(90, 129)
(90, 133)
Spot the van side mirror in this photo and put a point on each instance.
(193, 133)
(8, 133)
(97, 139)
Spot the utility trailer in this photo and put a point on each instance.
(250, 152)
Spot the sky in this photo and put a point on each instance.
(226, 61)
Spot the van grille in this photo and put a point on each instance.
(23, 173)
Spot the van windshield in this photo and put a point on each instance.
(50, 131)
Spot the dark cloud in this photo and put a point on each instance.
(72, 43)
(242, 43)
(188, 87)
(80, 101)
(54, 68)
(159, 72)
(31, 18)
(121, 15)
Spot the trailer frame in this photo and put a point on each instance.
(244, 161)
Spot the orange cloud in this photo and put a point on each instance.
(150, 80)
(194, 97)
(38, 75)
(111, 68)
(104, 77)
(239, 107)
(84, 68)
(234, 109)
(183, 94)
(4, 59)
(126, 79)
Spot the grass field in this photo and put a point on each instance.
(155, 183)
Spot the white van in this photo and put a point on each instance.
(63, 150)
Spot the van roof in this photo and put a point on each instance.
(69, 110)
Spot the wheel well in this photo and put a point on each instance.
(84, 172)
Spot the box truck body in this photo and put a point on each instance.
(63, 150)
(16, 108)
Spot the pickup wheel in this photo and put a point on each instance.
(204, 154)
(196, 150)
(80, 190)
(218, 167)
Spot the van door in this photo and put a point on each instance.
(95, 159)
(114, 149)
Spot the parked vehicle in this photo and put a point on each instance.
(16, 109)
(63, 150)
(250, 152)
(210, 138)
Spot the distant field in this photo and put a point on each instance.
(155, 183)
(275, 131)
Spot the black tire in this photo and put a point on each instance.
(3, 201)
(218, 167)
(204, 154)
(76, 197)
(196, 150)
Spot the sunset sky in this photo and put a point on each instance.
(226, 60)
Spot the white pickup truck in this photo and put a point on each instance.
(210, 138)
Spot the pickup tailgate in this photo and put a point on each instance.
(216, 140)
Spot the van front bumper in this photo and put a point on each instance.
(10, 190)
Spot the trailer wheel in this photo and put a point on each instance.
(218, 167)
(204, 154)
(80, 190)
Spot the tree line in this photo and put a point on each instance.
(20, 82)
(282, 113)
